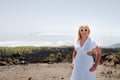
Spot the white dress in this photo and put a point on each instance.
(83, 62)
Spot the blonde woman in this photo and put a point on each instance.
(83, 64)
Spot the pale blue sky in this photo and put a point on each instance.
(18, 17)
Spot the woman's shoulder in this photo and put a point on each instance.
(76, 41)
(92, 39)
(94, 42)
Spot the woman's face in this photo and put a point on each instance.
(84, 31)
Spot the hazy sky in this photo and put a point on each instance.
(18, 17)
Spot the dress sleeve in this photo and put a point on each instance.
(75, 44)
(94, 44)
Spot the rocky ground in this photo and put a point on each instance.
(60, 71)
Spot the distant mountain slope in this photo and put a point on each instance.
(117, 45)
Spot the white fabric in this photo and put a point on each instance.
(83, 62)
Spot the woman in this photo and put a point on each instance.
(83, 64)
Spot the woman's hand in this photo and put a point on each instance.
(93, 68)
(89, 53)
(72, 65)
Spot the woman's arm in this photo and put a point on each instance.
(97, 58)
(73, 57)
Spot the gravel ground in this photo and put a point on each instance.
(60, 71)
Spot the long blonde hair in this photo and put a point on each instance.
(82, 26)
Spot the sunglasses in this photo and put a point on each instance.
(83, 30)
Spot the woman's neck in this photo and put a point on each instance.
(84, 38)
